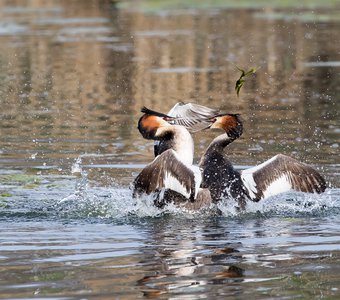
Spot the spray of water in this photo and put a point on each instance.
(117, 202)
(89, 200)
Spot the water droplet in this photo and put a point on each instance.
(76, 167)
(37, 291)
(256, 147)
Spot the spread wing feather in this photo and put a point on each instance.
(281, 174)
(192, 116)
(168, 172)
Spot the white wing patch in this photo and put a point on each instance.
(168, 172)
(249, 183)
(195, 170)
(247, 177)
(172, 183)
(281, 174)
(198, 178)
(278, 186)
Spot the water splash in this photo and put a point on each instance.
(111, 203)
(33, 155)
(77, 198)
(117, 202)
(287, 204)
(76, 167)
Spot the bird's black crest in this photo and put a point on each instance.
(154, 113)
(231, 115)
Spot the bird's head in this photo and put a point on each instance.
(151, 121)
(230, 123)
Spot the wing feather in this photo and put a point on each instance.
(166, 171)
(281, 174)
(192, 116)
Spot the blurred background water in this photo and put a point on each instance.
(73, 77)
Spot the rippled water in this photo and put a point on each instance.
(73, 77)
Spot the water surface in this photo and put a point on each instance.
(73, 77)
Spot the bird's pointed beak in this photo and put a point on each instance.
(170, 120)
(211, 122)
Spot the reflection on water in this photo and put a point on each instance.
(170, 257)
(73, 77)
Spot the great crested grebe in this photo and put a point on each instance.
(279, 174)
(171, 176)
(193, 117)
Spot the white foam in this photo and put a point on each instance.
(117, 202)
(286, 204)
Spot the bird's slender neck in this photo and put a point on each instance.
(181, 141)
(219, 143)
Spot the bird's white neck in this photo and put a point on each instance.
(219, 143)
(183, 143)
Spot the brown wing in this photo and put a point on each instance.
(192, 116)
(281, 174)
(167, 171)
